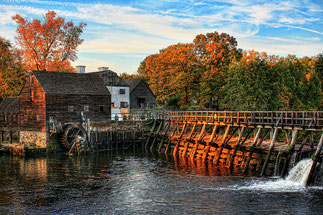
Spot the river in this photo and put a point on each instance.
(127, 183)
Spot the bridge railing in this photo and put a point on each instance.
(310, 119)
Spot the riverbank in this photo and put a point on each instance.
(17, 149)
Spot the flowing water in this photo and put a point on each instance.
(122, 183)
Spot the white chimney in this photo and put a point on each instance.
(80, 69)
(103, 68)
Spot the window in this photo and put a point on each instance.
(70, 108)
(51, 119)
(123, 104)
(32, 94)
(39, 117)
(122, 91)
(141, 102)
(31, 79)
(86, 108)
(101, 108)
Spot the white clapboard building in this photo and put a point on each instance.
(119, 90)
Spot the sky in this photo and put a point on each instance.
(120, 34)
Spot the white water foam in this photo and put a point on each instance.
(294, 182)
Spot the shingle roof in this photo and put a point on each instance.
(71, 83)
(111, 78)
(132, 83)
(10, 105)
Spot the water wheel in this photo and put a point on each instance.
(70, 134)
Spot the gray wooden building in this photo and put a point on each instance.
(141, 95)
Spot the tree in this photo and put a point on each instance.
(126, 76)
(48, 44)
(12, 73)
(179, 62)
(318, 66)
(215, 52)
(252, 83)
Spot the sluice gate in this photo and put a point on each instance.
(264, 143)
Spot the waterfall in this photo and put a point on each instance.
(299, 173)
(294, 182)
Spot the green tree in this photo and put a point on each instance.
(12, 73)
(252, 84)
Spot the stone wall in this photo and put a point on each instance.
(33, 138)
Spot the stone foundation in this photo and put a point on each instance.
(33, 138)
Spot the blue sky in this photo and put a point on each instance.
(120, 34)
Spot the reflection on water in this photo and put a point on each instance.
(140, 184)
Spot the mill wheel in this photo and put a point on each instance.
(70, 134)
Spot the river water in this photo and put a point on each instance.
(126, 183)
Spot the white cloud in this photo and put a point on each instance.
(132, 29)
(282, 46)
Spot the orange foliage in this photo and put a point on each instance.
(49, 44)
(308, 77)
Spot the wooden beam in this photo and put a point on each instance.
(207, 148)
(290, 148)
(271, 147)
(310, 177)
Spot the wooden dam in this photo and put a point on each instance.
(261, 142)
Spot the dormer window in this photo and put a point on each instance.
(122, 91)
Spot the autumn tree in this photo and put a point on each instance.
(215, 52)
(11, 70)
(158, 78)
(126, 76)
(48, 44)
(212, 68)
(179, 62)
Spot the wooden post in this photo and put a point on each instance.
(246, 165)
(217, 156)
(156, 135)
(123, 139)
(207, 148)
(150, 133)
(301, 147)
(310, 177)
(179, 139)
(10, 137)
(168, 124)
(272, 144)
(236, 146)
(290, 152)
(188, 138)
(88, 131)
(169, 139)
(193, 152)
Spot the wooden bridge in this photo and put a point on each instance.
(259, 141)
(284, 119)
